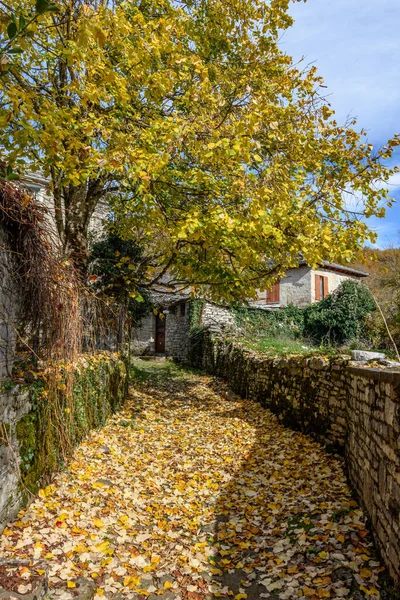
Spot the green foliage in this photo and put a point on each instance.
(195, 308)
(287, 322)
(79, 399)
(341, 317)
(116, 269)
(278, 346)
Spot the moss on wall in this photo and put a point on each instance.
(66, 405)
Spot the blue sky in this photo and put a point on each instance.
(356, 46)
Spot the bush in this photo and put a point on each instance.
(341, 317)
(287, 322)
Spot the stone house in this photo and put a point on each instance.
(165, 331)
(303, 285)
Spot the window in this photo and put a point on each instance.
(183, 309)
(321, 287)
(274, 295)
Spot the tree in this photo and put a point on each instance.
(117, 269)
(17, 25)
(383, 267)
(210, 144)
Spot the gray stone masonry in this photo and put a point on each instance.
(14, 404)
(18, 403)
(352, 409)
(177, 331)
(8, 307)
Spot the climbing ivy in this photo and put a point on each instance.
(287, 321)
(195, 308)
(66, 405)
(341, 317)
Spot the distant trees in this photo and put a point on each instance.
(384, 282)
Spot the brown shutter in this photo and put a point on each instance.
(276, 292)
(273, 296)
(326, 287)
(317, 288)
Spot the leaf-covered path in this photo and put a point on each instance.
(193, 493)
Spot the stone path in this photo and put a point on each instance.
(192, 493)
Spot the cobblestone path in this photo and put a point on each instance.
(192, 493)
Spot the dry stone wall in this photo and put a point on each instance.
(30, 448)
(354, 410)
(8, 306)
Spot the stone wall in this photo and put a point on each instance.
(216, 317)
(177, 331)
(32, 443)
(355, 410)
(144, 336)
(295, 288)
(8, 307)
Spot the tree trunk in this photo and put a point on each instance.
(78, 205)
(77, 219)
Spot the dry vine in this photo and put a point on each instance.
(58, 316)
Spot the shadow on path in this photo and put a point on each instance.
(284, 524)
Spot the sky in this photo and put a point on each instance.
(355, 45)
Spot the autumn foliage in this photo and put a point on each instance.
(211, 145)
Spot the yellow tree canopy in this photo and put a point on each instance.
(212, 147)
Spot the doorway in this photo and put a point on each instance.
(160, 334)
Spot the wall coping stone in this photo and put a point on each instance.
(388, 375)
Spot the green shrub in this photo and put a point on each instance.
(287, 322)
(341, 317)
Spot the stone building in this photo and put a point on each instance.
(303, 285)
(165, 331)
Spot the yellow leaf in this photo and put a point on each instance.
(98, 523)
(167, 585)
(131, 581)
(103, 546)
(365, 573)
(71, 584)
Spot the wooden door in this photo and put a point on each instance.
(160, 334)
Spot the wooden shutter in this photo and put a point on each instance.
(326, 287)
(273, 296)
(317, 288)
(276, 290)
